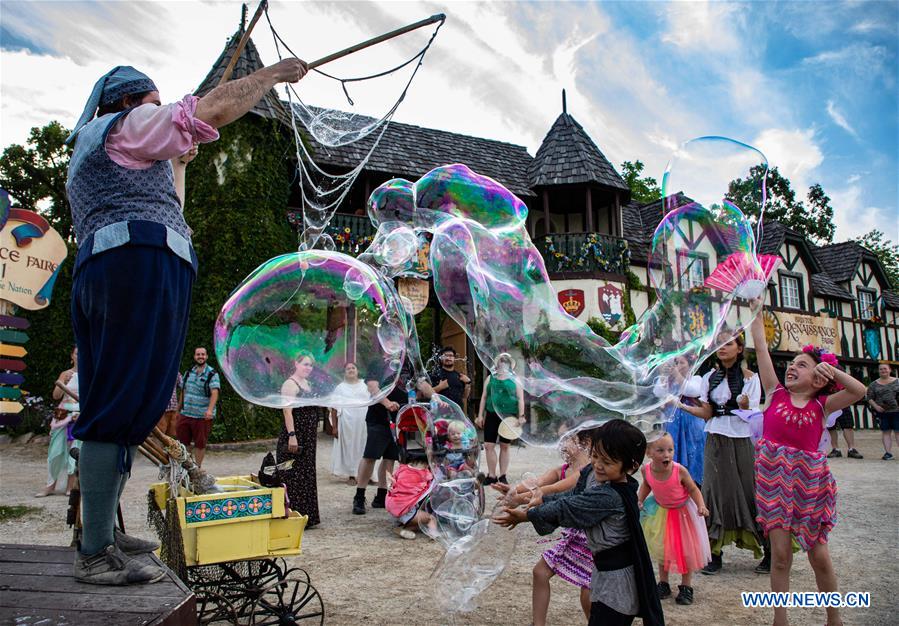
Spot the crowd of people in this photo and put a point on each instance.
(730, 471)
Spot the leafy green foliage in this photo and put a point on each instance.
(16, 511)
(812, 218)
(643, 189)
(885, 250)
(236, 198)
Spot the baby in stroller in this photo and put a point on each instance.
(460, 457)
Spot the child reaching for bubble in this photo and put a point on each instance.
(672, 519)
(604, 505)
(569, 558)
(795, 491)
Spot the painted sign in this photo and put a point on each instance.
(790, 332)
(419, 265)
(30, 256)
(414, 294)
(696, 317)
(572, 300)
(610, 303)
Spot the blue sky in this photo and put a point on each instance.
(811, 84)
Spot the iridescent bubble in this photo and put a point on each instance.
(293, 311)
(392, 202)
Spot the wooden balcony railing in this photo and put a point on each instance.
(584, 253)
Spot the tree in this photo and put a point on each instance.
(643, 190)
(813, 218)
(886, 251)
(35, 175)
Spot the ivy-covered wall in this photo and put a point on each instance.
(237, 193)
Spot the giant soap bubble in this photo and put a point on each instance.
(313, 303)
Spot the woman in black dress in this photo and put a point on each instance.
(297, 441)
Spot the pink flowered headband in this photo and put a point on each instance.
(823, 355)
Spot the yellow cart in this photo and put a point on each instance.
(234, 544)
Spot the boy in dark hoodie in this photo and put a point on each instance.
(604, 505)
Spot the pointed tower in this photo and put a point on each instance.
(270, 106)
(581, 191)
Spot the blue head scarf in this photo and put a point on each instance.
(120, 81)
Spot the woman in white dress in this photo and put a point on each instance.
(349, 424)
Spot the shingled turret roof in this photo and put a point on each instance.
(249, 61)
(568, 156)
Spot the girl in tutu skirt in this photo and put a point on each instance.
(569, 558)
(672, 519)
(795, 491)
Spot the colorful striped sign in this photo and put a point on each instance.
(10, 408)
(12, 336)
(11, 378)
(14, 322)
(14, 351)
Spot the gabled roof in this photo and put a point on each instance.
(823, 285)
(774, 234)
(891, 299)
(841, 261)
(248, 62)
(640, 221)
(568, 156)
(412, 151)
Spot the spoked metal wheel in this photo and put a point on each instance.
(228, 591)
(287, 601)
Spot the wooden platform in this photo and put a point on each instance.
(37, 587)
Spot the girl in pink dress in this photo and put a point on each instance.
(795, 491)
(672, 519)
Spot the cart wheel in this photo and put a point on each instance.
(289, 600)
(214, 608)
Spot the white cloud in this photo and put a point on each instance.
(794, 152)
(852, 216)
(839, 119)
(703, 25)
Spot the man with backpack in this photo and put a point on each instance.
(199, 393)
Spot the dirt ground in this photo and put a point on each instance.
(367, 575)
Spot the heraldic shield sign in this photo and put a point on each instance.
(610, 298)
(572, 300)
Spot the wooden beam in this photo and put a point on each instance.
(547, 227)
(589, 223)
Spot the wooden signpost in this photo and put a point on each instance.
(31, 253)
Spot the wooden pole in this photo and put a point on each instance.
(439, 17)
(226, 75)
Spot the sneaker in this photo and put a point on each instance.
(404, 533)
(714, 565)
(358, 506)
(684, 595)
(764, 566)
(378, 502)
(835, 454)
(854, 454)
(111, 566)
(664, 590)
(489, 480)
(502, 479)
(886, 457)
(133, 545)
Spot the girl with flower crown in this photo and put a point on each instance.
(795, 491)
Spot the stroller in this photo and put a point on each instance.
(409, 431)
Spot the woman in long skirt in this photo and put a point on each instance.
(297, 442)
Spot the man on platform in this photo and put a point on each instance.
(132, 281)
(200, 392)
